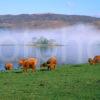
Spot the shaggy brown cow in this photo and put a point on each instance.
(29, 63)
(8, 66)
(95, 60)
(51, 63)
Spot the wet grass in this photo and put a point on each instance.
(68, 82)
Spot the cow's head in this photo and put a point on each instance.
(91, 61)
(21, 62)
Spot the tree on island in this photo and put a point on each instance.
(44, 41)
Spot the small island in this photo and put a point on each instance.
(43, 42)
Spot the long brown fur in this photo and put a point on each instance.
(29, 63)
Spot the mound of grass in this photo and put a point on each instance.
(68, 82)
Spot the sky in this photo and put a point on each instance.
(70, 7)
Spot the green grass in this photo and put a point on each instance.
(68, 82)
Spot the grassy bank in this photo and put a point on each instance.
(69, 82)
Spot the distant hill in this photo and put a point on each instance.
(41, 21)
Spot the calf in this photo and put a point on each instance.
(8, 66)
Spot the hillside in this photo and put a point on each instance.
(40, 21)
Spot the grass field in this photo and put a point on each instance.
(68, 82)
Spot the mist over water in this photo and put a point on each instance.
(79, 43)
(81, 33)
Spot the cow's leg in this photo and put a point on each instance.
(25, 69)
(33, 68)
(49, 67)
(52, 66)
